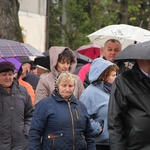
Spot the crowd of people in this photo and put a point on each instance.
(103, 107)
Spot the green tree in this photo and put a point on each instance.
(72, 20)
(139, 13)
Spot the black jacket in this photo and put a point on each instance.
(32, 79)
(129, 111)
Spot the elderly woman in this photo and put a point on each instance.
(61, 121)
(96, 98)
(15, 110)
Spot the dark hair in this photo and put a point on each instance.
(7, 66)
(66, 55)
(33, 67)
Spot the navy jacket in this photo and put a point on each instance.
(58, 124)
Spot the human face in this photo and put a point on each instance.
(111, 77)
(25, 67)
(111, 50)
(144, 65)
(66, 88)
(63, 66)
(6, 79)
(34, 71)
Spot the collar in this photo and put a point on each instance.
(148, 75)
(58, 98)
(140, 74)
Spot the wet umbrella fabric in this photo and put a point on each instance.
(10, 48)
(134, 52)
(91, 50)
(15, 60)
(45, 61)
(126, 34)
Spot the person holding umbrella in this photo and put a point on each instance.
(61, 59)
(129, 105)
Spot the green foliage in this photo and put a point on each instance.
(72, 21)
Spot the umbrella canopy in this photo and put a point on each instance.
(126, 34)
(91, 50)
(45, 61)
(15, 60)
(134, 52)
(9, 48)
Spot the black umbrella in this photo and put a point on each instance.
(82, 58)
(134, 52)
(45, 61)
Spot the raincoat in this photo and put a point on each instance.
(46, 85)
(129, 111)
(96, 100)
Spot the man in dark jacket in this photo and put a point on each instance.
(129, 109)
(15, 110)
(27, 76)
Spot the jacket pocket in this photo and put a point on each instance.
(52, 138)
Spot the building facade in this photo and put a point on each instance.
(34, 24)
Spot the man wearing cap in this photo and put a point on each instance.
(15, 110)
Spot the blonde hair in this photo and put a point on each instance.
(64, 76)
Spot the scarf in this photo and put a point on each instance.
(107, 87)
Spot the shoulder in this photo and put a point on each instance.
(77, 78)
(47, 79)
(45, 102)
(31, 75)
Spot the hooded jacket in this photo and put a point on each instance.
(129, 111)
(96, 101)
(63, 125)
(15, 117)
(46, 84)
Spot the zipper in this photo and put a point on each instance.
(72, 120)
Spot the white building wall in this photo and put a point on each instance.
(32, 18)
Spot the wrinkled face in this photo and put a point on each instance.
(63, 66)
(6, 78)
(66, 88)
(111, 50)
(111, 77)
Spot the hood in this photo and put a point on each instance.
(54, 52)
(98, 65)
